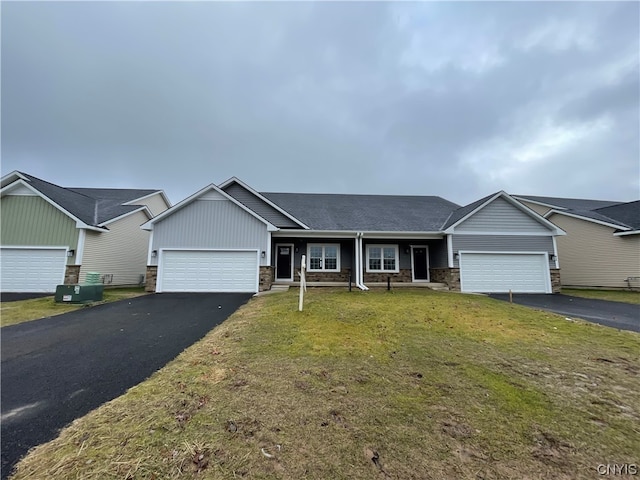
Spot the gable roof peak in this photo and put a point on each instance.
(89, 207)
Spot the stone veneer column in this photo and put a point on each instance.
(72, 274)
(265, 279)
(556, 285)
(151, 278)
(448, 276)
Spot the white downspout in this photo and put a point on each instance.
(360, 277)
(82, 235)
(356, 273)
(555, 252)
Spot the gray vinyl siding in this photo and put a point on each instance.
(501, 216)
(211, 224)
(503, 243)
(437, 251)
(263, 209)
(438, 254)
(346, 249)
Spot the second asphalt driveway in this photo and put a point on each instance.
(624, 316)
(57, 369)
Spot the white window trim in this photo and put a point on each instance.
(323, 245)
(382, 270)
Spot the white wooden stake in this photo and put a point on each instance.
(303, 282)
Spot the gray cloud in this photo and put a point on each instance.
(453, 99)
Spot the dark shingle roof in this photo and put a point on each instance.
(93, 206)
(381, 213)
(624, 214)
(570, 203)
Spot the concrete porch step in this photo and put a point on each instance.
(278, 287)
(430, 285)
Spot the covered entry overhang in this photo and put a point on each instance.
(329, 252)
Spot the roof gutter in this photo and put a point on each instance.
(630, 232)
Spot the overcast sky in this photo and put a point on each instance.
(452, 99)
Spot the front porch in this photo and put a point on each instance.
(371, 285)
(364, 262)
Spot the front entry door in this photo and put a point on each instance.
(420, 264)
(284, 262)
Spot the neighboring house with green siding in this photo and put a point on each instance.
(51, 235)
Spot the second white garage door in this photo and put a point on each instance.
(32, 269)
(501, 272)
(208, 271)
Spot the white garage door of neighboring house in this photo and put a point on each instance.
(208, 271)
(501, 272)
(32, 269)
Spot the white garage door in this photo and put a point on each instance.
(501, 272)
(32, 269)
(208, 271)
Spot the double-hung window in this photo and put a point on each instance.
(323, 258)
(382, 258)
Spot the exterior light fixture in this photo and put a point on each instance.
(154, 253)
(263, 254)
(71, 253)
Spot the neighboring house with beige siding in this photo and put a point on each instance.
(602, 245)
(51, 235)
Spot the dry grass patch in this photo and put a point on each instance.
(12, 313)
(625, 296)
(404, 385)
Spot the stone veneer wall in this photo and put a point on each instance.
(71, 274)
(341, 276)
(151, 278)
(556, 285)
(266, 278)
(448, 276)
(403, 276)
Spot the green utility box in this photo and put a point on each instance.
(78, 293)
(92, 278)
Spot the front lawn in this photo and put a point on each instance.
(626, 296)
(404, 384)
(12, 313)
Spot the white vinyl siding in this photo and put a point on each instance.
(590, 256)
(323, 257)
(37, 270)
(382, 258)
(208, 271)
(155, 203)
(120, 253)
(539, 209)
(487, 272)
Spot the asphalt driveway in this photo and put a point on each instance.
(624, 316)
(57, 369)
